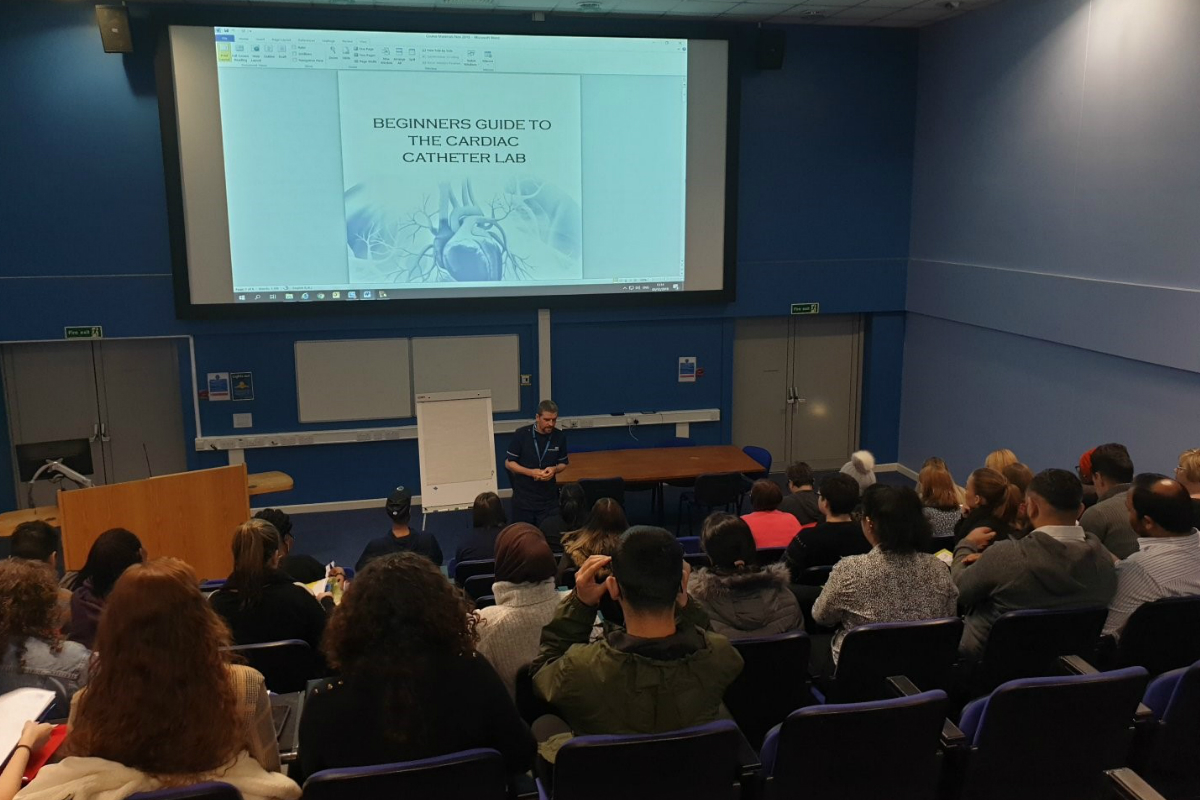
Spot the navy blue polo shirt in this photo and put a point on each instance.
(533, 450)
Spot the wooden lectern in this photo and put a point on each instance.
(189, 515)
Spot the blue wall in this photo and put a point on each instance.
(824, 205)
(1053, 281)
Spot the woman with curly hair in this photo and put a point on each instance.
(164, 707)
(412, 684)
(31, 641)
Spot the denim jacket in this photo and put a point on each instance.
(64, 672)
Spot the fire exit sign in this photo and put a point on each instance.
(806, 308)
(83, 332)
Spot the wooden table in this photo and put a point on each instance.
(267, 482)
(657, 464)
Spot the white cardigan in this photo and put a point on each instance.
(511, 631)
(78, 778)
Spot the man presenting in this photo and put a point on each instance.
(536, 454)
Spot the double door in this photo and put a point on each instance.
(797, 384)
(111, 408)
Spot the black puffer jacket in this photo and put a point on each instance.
(749, 602)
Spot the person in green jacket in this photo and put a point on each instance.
(661, 672)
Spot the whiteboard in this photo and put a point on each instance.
(346, 380)
(456, 445)
(467, 363)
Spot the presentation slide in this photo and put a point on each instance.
(322, 166)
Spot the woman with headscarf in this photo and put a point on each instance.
(510, 631)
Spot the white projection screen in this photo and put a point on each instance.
(321, 166)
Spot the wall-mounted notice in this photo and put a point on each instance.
(687, 369)
(218, 386)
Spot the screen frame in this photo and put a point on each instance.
(435, 23)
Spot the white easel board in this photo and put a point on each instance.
(456, 445)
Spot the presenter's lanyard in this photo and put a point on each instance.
(541, 454)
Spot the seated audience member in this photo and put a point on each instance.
(1167, 563)
(164, 706)
(1108, 520)
(999, 459)
(939, 501)
(572, 515)
(839, 535)
(412, 684)
(861, 467)
(599, 537)
(801, 499)
(1084, 470)
(940, 464)
(770, 526)
(741, 598)
(1058, 565)
(258, 601)
(992, 502)
(1020, 476)
(37, 540)
(31, 639)
(402, 539)
(526, 598)
(487, 520)
(301, 568)
(113, 552)
(652, 676)
(1188, 473)
(897, 581)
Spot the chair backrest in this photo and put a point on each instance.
(469, 569)
(1162, 635)
(924, 652)
(470, 775)
(1027, 643)
(773, 682)
(859, 751)
(691, 544)
(596, 488)
(1043, 738)
(1175, 699)
(717, 489)
(568, 577)
(696, 763)
(478, 586)
(814, 576)
(770, 555)
(760, 454)
(286, 666)
(485, 601)
(210, 790)
(698, 560)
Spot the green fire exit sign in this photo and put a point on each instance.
(806, 308)
(83, 332)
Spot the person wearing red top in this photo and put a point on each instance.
(770, 526)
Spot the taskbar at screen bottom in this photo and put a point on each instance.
(358, 295)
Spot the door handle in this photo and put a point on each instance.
(796, 398)
(104, 437)
(95, 437)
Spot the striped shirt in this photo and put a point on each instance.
(1163, 567)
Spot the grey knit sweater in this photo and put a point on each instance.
(511, 630)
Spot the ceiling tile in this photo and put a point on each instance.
(892, 4)
(862, 13)
(700, 8)
(752, 11)
(654, 7)
(831, 3)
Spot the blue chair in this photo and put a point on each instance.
(568, 577)
(486, 601)
(287, 665)
(1162, 635)
(210, 790)
(478, 586)
(698, 560)
(925, 652)
(1050, 738)
(701, 763)
(818, 752)
(691, 544)
(1166, 754)
(762, 455)
(814, 576)
(477, 774)
(1027, 643)
(469, 569)
(773, 682)
(717, 490)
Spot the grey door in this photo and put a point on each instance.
(50, 392)
(141, 410)
(826, 377)
(761, 378)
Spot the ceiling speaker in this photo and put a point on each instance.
(769, 48)
(114, 29)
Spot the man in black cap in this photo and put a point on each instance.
(401, 539)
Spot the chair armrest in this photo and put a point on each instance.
(952, 737)
(288, 740)
(1074, 665)
(1128, 785)
(749, 763)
